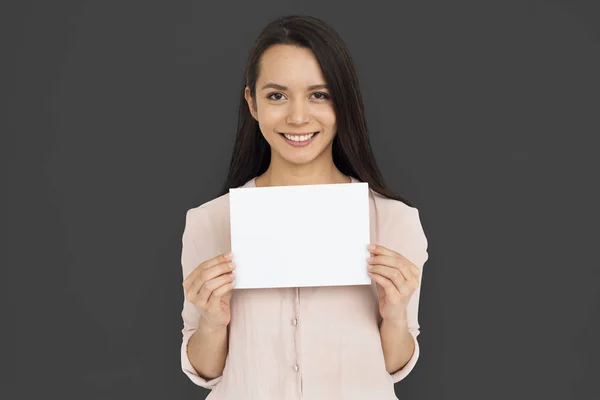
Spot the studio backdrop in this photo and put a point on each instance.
(122, 115)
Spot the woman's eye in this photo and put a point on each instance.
(321, 95)
(275, 94)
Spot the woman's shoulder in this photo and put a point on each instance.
(393, 207)
(214, 209)
(392, 204)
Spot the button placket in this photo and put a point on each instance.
(296, 366)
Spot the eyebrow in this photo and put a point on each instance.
(281, 87)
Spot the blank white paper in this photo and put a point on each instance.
(294, 236)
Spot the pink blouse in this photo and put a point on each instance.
(303, 343)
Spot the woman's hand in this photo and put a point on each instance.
(396, 279)
(209, 287)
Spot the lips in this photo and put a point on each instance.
(297, 133)
(299, 140)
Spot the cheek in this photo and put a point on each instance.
(269, 116)
(326, 117)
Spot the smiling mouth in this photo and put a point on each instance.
(299, 138)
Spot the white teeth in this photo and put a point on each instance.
(297, 138)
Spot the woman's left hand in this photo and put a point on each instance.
(396, 278)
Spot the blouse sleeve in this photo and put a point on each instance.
(191, 256)
(414, 247)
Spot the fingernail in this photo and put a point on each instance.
(370, 259)
(231, 265)
(371, 247)
(229, 256)
(370, 267)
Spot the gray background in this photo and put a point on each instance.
(121, 116)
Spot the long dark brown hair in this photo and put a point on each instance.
(352, 153)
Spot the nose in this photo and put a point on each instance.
(298, 113)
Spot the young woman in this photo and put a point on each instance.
(301, 122)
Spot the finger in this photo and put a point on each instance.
(217, 270)
(391, 291)
(393, 274)
(378, 249)
(402, 263)
(390, 261)
(223, 290)
(192, 289)
(407, 271)
(212, 285)
(213, 262)
(218, 293)
(193, 285)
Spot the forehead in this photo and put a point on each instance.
(290, 65)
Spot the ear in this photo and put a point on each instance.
(251, 103)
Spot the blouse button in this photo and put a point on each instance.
(295, 321)
(296, 368)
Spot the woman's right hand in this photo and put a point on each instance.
(209, 288)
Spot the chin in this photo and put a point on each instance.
(298, 159)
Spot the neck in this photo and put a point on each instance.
(282, 173)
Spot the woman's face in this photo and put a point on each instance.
(293, 105)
